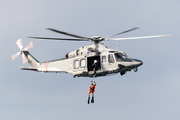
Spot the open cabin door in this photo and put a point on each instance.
(90, 61)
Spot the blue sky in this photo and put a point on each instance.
(151, 93)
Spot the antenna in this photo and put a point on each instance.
(117, 47)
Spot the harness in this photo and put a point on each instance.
(92, 87)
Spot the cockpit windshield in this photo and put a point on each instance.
(119, 56)
(125, 54)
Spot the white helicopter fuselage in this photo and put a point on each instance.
(79, 62)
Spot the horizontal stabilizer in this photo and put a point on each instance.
(22, 68)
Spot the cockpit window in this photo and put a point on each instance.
(119, 56)
(125, 54)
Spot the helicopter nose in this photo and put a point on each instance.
(137, 62)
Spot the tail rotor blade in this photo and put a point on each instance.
(24, 58)
(15, 55)
(29, 46)
(19, 43)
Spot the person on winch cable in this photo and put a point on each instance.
(91, 90)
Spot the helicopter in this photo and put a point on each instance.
(80, 62)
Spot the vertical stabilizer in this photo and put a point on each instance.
(31, 60)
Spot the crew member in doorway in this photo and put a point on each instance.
(91, 90)
(95, 65)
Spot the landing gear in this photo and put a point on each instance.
(122, 73)
(135, 69)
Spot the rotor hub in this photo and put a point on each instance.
(97, 39)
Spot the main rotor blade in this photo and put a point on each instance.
(137, 37)
(69, 34)
(123, 32)
(59, 39)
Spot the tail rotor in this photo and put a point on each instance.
(29, 46)
(20, 45)
(15, 55)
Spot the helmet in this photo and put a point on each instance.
(95, 61)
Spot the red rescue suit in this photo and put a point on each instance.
(92, 89)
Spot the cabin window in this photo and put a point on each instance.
(103, 59)
(83, 63)
(110, 58)
(76, 64)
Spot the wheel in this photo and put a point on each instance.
(122, 73)
(135, 69)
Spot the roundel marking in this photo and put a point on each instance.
(70, 65)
